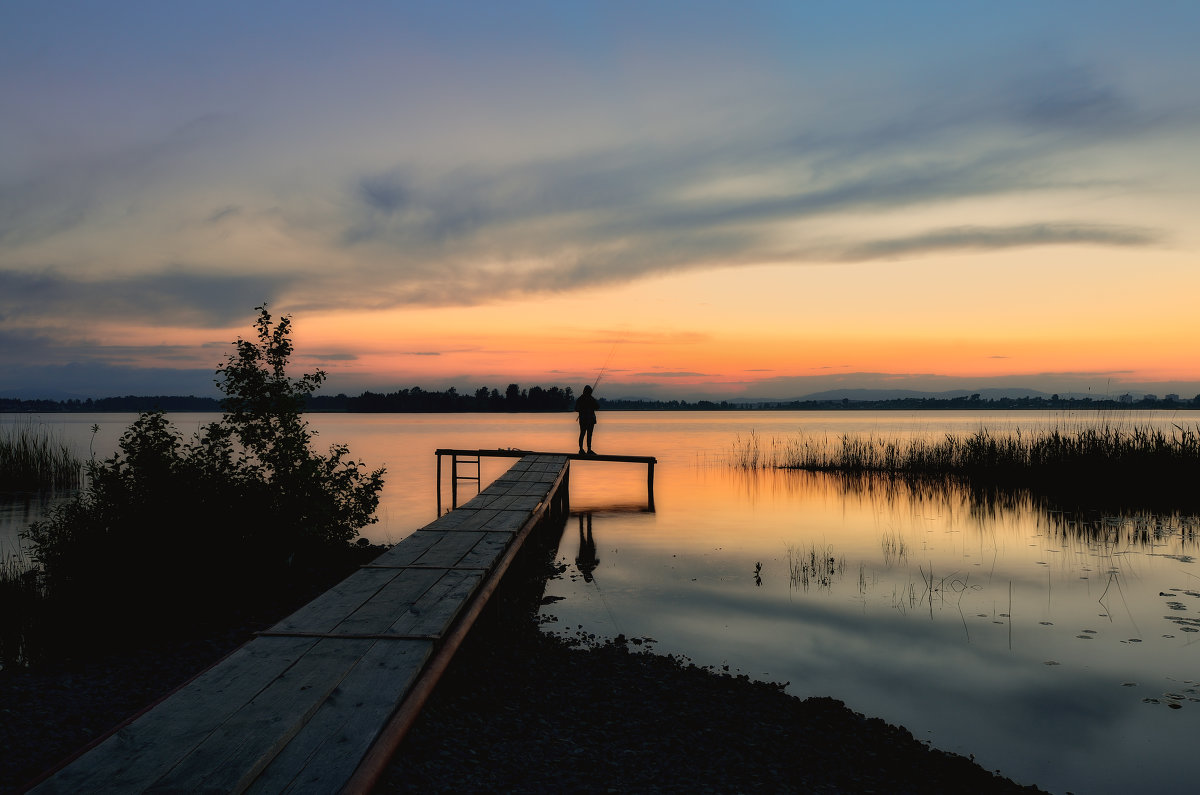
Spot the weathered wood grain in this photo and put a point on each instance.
(137, 755)
(296, 709)
(323, 755)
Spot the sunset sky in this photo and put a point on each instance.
(714, 199)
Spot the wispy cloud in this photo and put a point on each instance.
(677, 374)
(175, 295)
(612, 215)
(982, 238)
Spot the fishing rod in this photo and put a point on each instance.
(604, 369)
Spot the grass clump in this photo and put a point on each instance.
(33, 458)
(1147, 465)
(895, 548)
(808, 567)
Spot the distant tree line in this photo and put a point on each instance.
(536, 398)
(418, 400)
(414, 400)
(128, 403)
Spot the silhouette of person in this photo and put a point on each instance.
(586, 405)
(586, 561)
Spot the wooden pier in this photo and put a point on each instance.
(471, 458)
(319, 702)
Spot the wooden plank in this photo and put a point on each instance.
(327, 610)
(474, 520)
(516, 502)
(507, 521)
(487, 551)
(439, 605)
(299, 713)
(447, 521)
(245, 743)
(530, 489)
(137, 755)
(451, 548)
(405, 590)
(535, 455)
(476, 503)
(410, 549)
(325, 752)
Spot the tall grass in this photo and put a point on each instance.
(33, 458)
(981, 451)
(807, 567)
(1137, 462)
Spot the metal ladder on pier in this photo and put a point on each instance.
(457, 474)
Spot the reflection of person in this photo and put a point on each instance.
(586, 561)
(586, 405)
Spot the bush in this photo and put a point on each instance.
(168, 524)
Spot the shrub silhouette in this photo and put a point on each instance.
(168, 524)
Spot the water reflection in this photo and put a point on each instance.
(1047, 641)
(1042, 641)
(586, 561)
(17, 510)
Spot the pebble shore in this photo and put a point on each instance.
(520, 710)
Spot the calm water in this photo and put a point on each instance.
(1062, 658)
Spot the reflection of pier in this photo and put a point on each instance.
(319, 702)
(468, 460)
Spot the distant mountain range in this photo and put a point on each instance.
(900, 394)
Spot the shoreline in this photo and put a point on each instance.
(520, 710)
(544, 713)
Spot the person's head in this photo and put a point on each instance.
(587, 390)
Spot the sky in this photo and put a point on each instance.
(689, 199)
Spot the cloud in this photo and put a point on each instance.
(1002, 237)
(331, 357)
(611, 209)
(1074, 99)
(679, 374)
(98, 183)
(229, 211)
(97, 379)
(175, 296)
(611, 214)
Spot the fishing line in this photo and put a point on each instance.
(604, 369)
(604, 601)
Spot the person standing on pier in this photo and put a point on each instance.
(586, 405)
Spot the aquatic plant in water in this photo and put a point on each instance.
(807, 567)
(895, 549)
(33, 458)
(1144, 465)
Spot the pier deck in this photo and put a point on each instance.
(319, 702)
(471, 457)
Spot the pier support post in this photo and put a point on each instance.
(439, 484)
(650, 484)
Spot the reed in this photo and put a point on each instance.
(986, 450)
(895, 549)
(807, 567)
(1134, 460)
(33, 458)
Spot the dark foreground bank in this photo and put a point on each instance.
(520, 711)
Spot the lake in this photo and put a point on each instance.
(1060, 654)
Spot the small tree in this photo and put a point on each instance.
(315, 497)
(166, 518)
